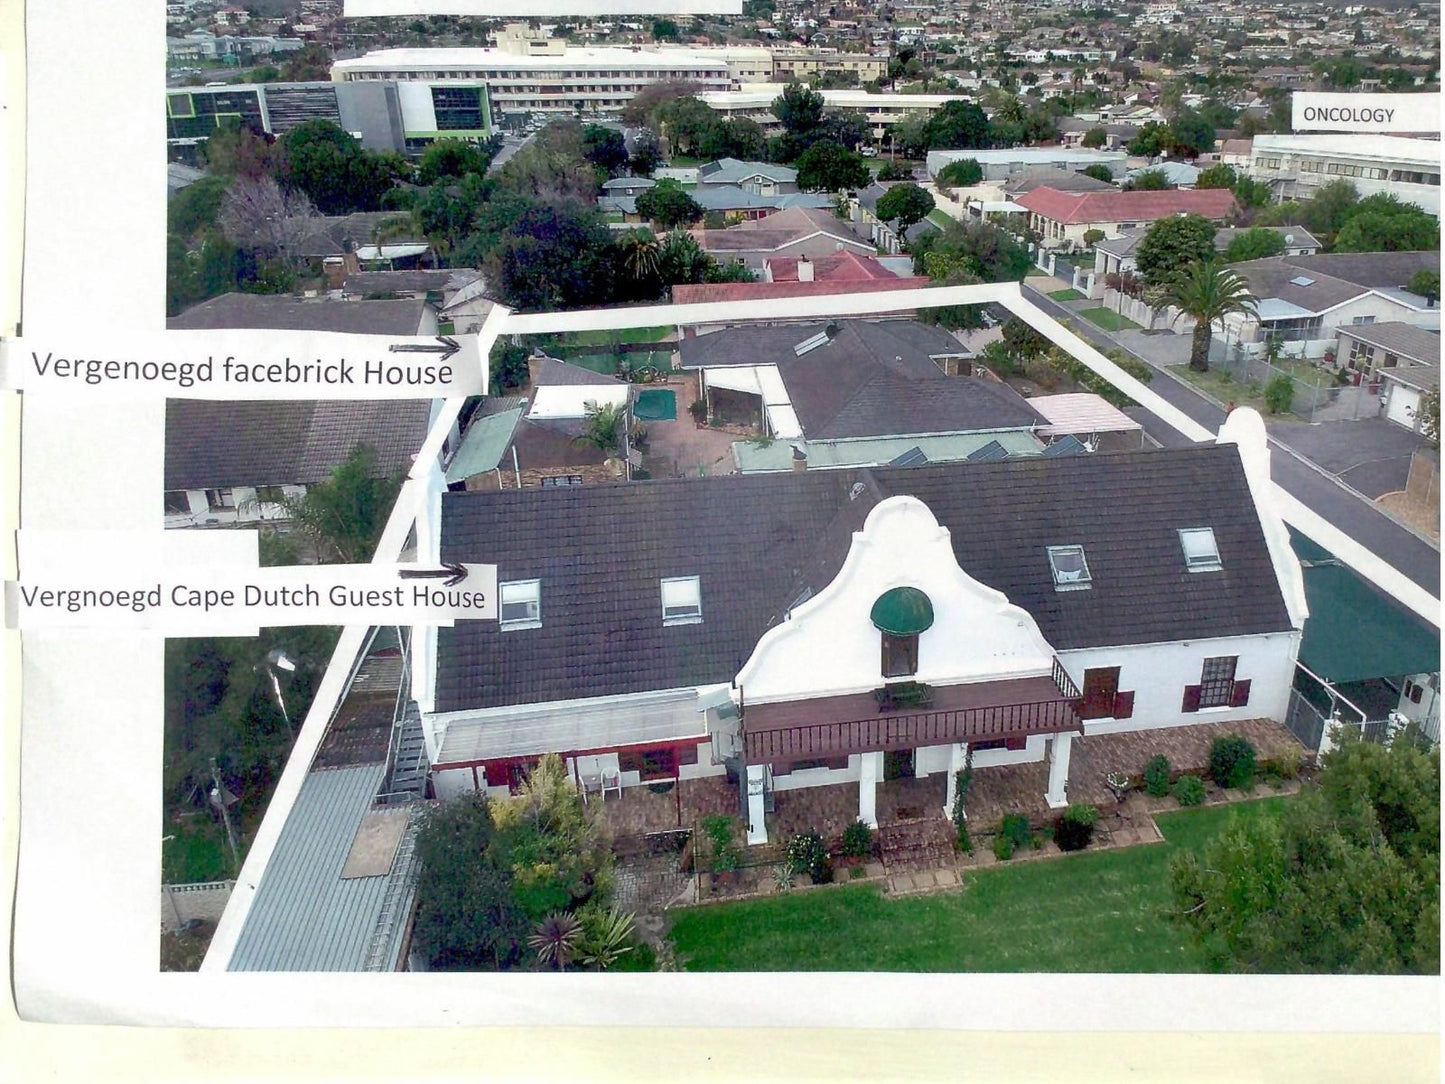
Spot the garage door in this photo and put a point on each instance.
(1401, 407)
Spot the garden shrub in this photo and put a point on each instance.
(719, 830)
(1003, 847)
(963, 841)
(807, 854)
(1232, 761)
(1189, 790)
(1016, 828)
(1075, 828)
(857, 840)
(1287, 762)
(1157, 776)
(1279, 394)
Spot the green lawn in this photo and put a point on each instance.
(1068, 293)
(1108, 320)
(1036, 272)
(1099, 912)
(607, 338)
(939, 218)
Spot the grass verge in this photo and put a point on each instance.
(1108, 320)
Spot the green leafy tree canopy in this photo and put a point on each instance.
(1172, 244)
(828, 167)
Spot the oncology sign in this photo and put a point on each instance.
(1378, 113)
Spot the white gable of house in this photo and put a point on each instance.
(828, 645)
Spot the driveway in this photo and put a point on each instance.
(1371, 456)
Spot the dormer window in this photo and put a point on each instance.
(1201, 552)
(521, 605)
(1071, 571)
(681, 600)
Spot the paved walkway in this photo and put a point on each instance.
(1305, 480)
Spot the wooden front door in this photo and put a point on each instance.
(1101, 686)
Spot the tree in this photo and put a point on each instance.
(554, 256)
(240, 152)
(905, 204)
(1172, 244)
(1345, 881)
(1099, 172)
(603, 429)
(1382, 223)
(1430, 417)
(1327, 211)
(1252, 193)
(343, 516)
(1152, 140)
(1208, 293)
(1095, 137)
(646, 106)
(958, 125)
(508, 366)
(555, 939)
(964, 173)
(639, 250)
(981, 249)
(827, 167)
(1023, 342)
(684, 121)
(325, 162)
(1190, 134)
(258, 213)
(604, 148)
(196, 207)
(311, 63)
(646, 154)
(681, 260)
(466, 918)
(846, 128)
(1426, 283)
(451, 158)
(799, 109)
(668, 204)
(1219, 175)
(1147, 180)
(665, 30)
(1255, 244)
(735, 138)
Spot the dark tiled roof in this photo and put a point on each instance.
(875, 378)
(361, 283)
(293, 314)
(550, 371)
(256, 443)
(1418, 343)
(756, 541)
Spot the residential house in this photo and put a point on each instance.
(759, 178)
(1063, 218)
(1119, 255)
(786, 632)
(884, 233)
(1401, 361)
(234, 462)
(728, 201)
(855, 392)
(1116, 136)
(797, 231)
(627, 186)
(1236, 153)
(438, 287)
(1000, 163)
(844, 272)
(1302, 301)
(535, 441)
(1176, 174)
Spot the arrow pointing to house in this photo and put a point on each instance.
(453, 573)
(445, 345)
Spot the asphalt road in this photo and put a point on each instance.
(1311, 485)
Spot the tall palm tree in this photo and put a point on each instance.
(640, 251)
(1207, 292)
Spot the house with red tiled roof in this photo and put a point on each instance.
(843, 272)
(1064, 217)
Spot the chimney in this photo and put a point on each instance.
(800, 459)
(533, 364)
(805, 269)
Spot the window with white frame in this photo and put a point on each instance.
(681, 600)
(1201, 551)
(521, 605)
(1069, 568)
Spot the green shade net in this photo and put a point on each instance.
(903, 611)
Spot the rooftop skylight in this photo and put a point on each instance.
(1201, 552)
(1070, 569)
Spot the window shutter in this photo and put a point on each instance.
(1240, 697)
(1191, 698)
(1123, 705)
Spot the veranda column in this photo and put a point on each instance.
(757, 826)
(870, 770)
(956, 753)
(1059, 771)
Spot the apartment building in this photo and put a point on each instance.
(754, 102)
(1297, 165)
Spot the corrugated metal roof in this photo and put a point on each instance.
(304, 916)
(484, 445)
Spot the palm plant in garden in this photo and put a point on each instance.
(604, 428)
(640, 250)
(1207, 292)
(555, 938)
